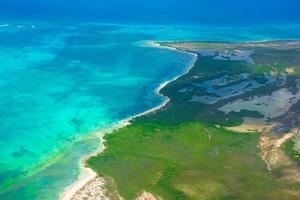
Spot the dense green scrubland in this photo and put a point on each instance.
(183, 152)
(187, 161)
(289, 149)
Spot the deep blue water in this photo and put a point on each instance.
(68, 69)
(157, 11)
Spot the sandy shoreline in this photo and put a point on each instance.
(87, 176)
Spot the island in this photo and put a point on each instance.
(229, 130)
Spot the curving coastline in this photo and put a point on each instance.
(88, 178)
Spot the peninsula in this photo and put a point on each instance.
(229, 131)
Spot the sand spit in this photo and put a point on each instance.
(90, 186)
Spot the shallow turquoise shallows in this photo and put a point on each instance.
(59, 83)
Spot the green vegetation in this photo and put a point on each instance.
(187, 161)
(182, 152)
(288, 148)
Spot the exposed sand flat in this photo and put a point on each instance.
(147, 196)
(271, 106)
(251, 125)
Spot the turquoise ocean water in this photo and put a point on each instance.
(61, 82)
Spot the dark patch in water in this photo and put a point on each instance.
(20, 153)
(78, 123)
